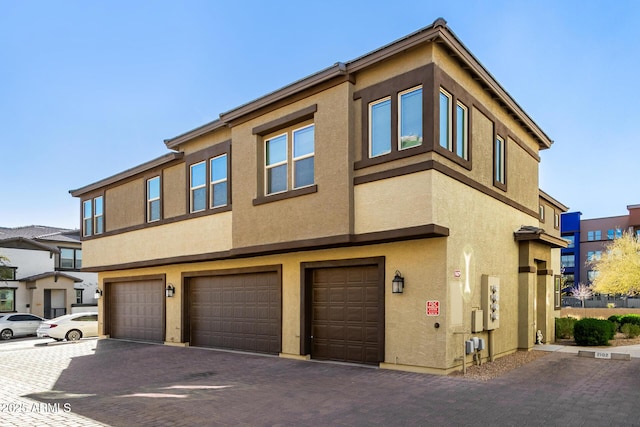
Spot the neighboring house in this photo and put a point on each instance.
(42, 275)
(288, 225)
(588, 239)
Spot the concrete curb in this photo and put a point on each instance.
(604, 355)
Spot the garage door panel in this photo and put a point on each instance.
(136, 310)
(246, 307)
(347, 325)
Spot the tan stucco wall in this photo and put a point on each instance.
(36, 296)
(195, 236)
(389, 204)
(301, 217)
(174, 193)
(131, 195)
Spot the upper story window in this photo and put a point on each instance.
(454, 125)
(93, 216)
(153, 199)
(571, 239)
(410, 118)
(7, 273)
(218, 178)
(499, 175)
(541, 212)
(409, 122)
(209, 181)
(594, 235)
(289, 160)
(70, 259)
(556, 220)
(568, 260)
(198, 180)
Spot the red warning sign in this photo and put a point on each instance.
(433, 308)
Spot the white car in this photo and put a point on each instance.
(18, 324)
(71, 327)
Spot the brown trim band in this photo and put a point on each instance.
(261, 200)
(345, 240)
(446, 170)
(545, 272)
(527, 269)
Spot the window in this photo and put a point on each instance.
(445, 122)
(571, 239)
(79, 296)
(93, 216)
(198, 185)
(380, 127)
(70, 259)
(592, 275)
(556, 220)
(557, 292)
(541, 212)
(278, 151)
(568, 261)
(498, 155)
(462, 130)
(410, 118)
(618, 233)
(594, 235)
(610, 234)
(153, 199)
(218, 181)
(7, 273)
(7, 298)
(594, 255)
(569, 280)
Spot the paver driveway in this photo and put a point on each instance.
(123, 383)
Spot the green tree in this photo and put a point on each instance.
(618, 270)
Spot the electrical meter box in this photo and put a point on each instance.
(477, 321)
(491, 301)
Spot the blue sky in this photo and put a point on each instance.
(91, 88)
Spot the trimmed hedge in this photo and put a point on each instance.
(588, 332)
(615, 318)
(634, 319)
(630, 330)
(564, 326)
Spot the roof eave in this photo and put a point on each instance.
(144, 167)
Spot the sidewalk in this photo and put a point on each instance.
(631, 350)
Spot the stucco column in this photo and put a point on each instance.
(526, 296)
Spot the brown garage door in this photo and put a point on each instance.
(347, 320)
(238, 312)
(136, 310)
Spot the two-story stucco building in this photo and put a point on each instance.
(280, 227)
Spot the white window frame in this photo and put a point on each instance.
(371, 105)
(449, 116)
(155, 199)
(213, 183)
(499, 174)
(464, 139)
(280, 163)
(87, 217)
(399, 118)
(98, 217)
(295, 159)
(193, 188)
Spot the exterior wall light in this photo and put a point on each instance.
(397, 285)
(98, 293)
(170, 290)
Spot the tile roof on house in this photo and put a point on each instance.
(40, 232)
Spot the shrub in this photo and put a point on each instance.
(634, 319)
(615, 318)
(564, 327)
(593, 332)
(611, 305)
(630, 330)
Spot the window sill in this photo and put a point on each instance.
(261, 200)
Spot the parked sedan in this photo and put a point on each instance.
(18, 324)
(71, 327)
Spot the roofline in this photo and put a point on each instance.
(553, 201)
(438, 30)
(35, 277)
(40, 246)
(167, 158)
(194, 133)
